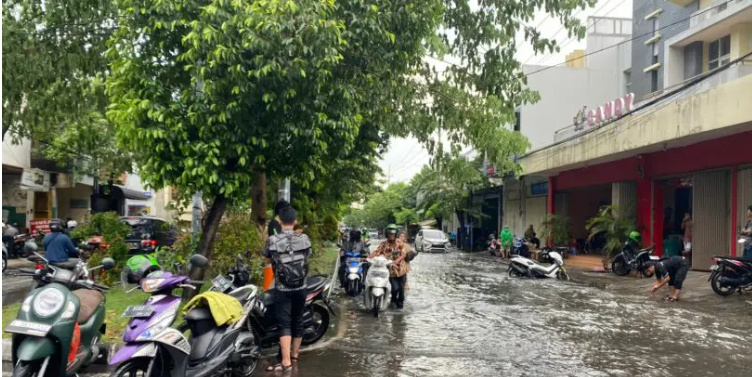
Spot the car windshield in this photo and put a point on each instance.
(433, 234)
(139, 226)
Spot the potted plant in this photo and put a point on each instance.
(614, 224)
(556, 230)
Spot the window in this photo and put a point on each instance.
(653, 81)
(719, 52)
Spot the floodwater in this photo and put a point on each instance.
(465, 316)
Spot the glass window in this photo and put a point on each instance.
(653, 81)
(719, 52)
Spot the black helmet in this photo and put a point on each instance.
(355, 235)
(57, 225)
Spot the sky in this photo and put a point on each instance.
(405, 156)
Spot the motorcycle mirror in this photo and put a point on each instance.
(108, 263)
(199, 260)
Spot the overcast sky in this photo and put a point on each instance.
(406, 157)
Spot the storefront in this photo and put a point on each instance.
(711, 181)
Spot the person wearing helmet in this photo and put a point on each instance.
(353, 245)
(58, 247)
(671, 271)
(633, 244)
(397, 251)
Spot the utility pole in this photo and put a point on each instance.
(283, 192)
(196, 214)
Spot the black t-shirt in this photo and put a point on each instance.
(274, 228)
(668, 266)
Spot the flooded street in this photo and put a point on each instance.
(465, 316)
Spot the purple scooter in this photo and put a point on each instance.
(156, 350)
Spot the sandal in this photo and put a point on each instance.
(294, 360)
(278, 368)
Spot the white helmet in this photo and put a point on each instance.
(72, 224)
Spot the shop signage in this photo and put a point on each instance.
(540, 188)
(42, 225)
(608, 111)
(35, 180)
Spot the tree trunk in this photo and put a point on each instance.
(208, 234)
(258, 200)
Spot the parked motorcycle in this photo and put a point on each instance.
(731, 274)
(57, 330)
(5, 257)
(23, 246)
(262, 321)
(377, 286)
(154, 349)
(520, 247)
(625, 262)
(493, 246)
(523, 267)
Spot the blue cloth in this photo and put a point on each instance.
(59, 247)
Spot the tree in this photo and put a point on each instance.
(53, 72)
(216, 96)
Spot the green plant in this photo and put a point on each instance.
(555, 229)
(237, 233)
(614, 224)
(113, 232)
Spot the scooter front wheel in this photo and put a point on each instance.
(26, 369)
(138, 367)
(376, 306)
(320, 324)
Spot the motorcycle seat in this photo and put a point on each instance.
(198, 314)
(90, 300)
(315, 283)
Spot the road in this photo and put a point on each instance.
(464, 316)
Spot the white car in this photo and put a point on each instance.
(430, 240)
(373, 234)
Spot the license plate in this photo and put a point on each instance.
(134, 245)
(221, 283)
(28, 328)
(138, 311)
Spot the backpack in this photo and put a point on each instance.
(290, 257)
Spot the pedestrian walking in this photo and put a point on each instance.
(671, 271)
(288, 253)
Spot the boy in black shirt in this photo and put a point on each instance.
(671, 271)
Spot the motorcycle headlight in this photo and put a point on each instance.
(353, 270)
(151, 285)
(48, 302)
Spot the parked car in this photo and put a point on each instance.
(148, 233)
(431, 240)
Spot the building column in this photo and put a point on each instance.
(734, 210)
(550, 200)
(741, 40)
(644, 200)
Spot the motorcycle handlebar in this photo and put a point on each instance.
(197, 283)
(26, 271)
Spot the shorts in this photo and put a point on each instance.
(676, 280)
(289, 307)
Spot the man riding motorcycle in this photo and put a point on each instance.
(59, 248)
(353, 245)
(397, 251)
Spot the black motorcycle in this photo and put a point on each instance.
(731, 274)
(625, 262)
(262, 321)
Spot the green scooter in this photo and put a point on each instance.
(58, 328)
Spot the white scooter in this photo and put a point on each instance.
(524, 267)
(377, 286)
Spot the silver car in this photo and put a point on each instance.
(431, 240)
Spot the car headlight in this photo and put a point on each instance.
(48, 302)
(151, 285)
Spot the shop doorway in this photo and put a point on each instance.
(672, 214)
(42, 206)
(582, 205)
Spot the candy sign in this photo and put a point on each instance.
(610, 110)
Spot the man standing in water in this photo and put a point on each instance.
(288, 252)
(395, 250)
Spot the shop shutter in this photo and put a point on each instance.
(535, 212)
(744, 200)
(561, 205)
(710, 216)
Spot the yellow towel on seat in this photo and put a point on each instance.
(224, 308)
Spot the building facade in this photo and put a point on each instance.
(684, 151)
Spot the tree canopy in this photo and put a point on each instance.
(211, 95)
